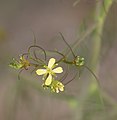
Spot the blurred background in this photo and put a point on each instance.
(78, 21)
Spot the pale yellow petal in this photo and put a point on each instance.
(48, 80)
(61, 88)
(57, 90)
(41, 71)
(58, 70)
(51, 62)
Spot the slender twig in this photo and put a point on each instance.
(20, 73)
(71, 79)
(65, 75)
(36, 46)
(67, 44)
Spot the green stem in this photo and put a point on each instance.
(102, 8)
(100, 16)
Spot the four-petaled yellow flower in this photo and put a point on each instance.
(49, 72)
(55, 86)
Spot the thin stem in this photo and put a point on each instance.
(37, 57)
(36, 46)
(34, 38)
(71, 79)
(20, 73)
(93, 74)
(37, 60)
(68, 45)
(61, 59)
(65, 75)
(100, 94)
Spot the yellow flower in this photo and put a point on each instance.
(55, 86)
(22, 63)
(25, 63)
(49, 72)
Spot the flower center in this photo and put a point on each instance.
(49, 70)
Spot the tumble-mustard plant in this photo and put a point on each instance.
(50, 69)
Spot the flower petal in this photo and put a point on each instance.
(48, 80)
(51, 62)
(61, 88)
(58, 70)
(41, 71)
(57, 90)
